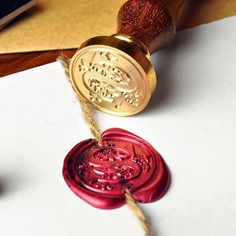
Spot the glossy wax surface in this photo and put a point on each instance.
(100, 174)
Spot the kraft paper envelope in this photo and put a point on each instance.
(63, 24)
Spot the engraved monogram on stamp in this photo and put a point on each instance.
(109, 80)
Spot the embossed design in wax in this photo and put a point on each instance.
(101, 174)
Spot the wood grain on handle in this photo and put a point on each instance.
(151, 21)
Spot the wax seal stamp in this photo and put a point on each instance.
(114, 73)
(100, 174)
(112, 80)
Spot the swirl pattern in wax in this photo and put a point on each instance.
(101, 174)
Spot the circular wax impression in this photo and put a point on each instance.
(100, 174)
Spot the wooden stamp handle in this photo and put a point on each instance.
(151, 21)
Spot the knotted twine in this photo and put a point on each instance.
(91, 121)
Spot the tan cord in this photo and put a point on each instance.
(90, 119)
(137, 211)
(65, 62)
(87, 108)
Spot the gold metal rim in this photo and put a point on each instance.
(133, 47)
(135, 54)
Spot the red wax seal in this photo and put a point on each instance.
(100, 174)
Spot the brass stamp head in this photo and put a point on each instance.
(114, 73)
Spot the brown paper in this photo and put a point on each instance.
(60, 24)
(63, 24)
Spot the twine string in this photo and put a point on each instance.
(90, 119)
(139, 214)
(87, 107)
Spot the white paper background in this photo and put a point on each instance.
(190, 121)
